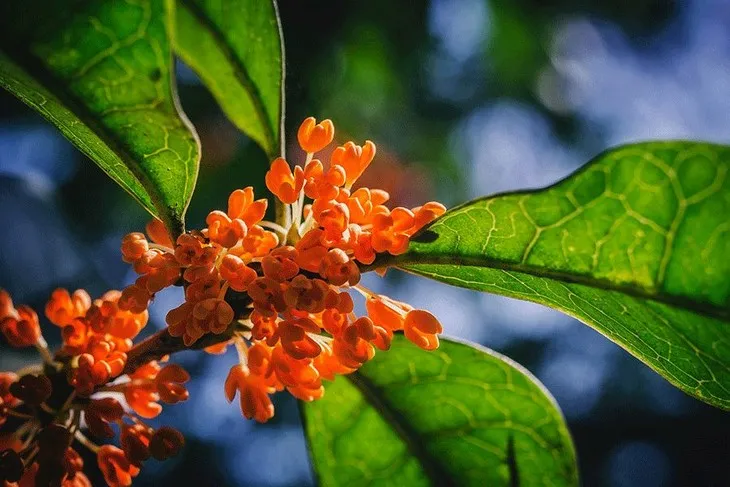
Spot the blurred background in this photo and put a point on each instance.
(464, 98)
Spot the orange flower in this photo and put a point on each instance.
(335, 220)
(306, 294)
(257, 243)
(150, 383)
(192, 250)
(97, 368)
(135, 298)
(421, 328)
(330, 366)
(281, 264)
(282, 182)
(6, 305)
(237, 273)
(300, 377)
(323, 185)
(213, 315)
(115, 467)
(390, 231)
(159, 270)
(339, 269)
(426, 214)
(63, 308)
(295, 339)
(158, 233)
(310, 250)
(353, 346)
(362, 247)
(264, 328)
(107, 316)
(181, 323)
(134, 246)
(143, 400)
(363, 202)
(254, 397)
(313, 136)
(7, 400)
(225, 231)
(23, 330)
(386, 312)
(241, 205)
(353, 159)
(169, 382)
(267, 296)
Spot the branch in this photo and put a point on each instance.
(162, 343)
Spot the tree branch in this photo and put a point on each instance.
(162, 343)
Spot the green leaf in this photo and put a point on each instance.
(635, 245)
(460, 415)
(235, 46)
(102, 72)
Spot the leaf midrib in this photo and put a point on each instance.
(403, 262)
(239, 71)
(430, 464)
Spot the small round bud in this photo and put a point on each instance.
(32, 389)
(166, 442)
(11, 466)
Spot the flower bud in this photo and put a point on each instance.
(166, 442)
(11, 466)
(32, 389)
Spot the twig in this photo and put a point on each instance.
(162, 343)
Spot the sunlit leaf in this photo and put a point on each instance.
(235, 47)
(460, 415)
(102, 73)
(635, 244)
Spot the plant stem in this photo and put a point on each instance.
(162, 343)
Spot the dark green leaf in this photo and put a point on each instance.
(235, 47)
(635, 244)
(460, 415)
(102, 73)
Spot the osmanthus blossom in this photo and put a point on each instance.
(281, 293)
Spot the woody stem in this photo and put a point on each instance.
(162, 343)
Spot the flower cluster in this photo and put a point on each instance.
(81, 384)
(280, 291)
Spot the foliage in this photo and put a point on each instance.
(462, 415)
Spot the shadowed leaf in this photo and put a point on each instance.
(460, 416)
(235, 47)
(102, 73)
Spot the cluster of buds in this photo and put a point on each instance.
(44, 407)
(280, 291)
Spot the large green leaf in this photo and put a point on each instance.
(460, 415)
(235, 47)
(102, 72)
(635, 244)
